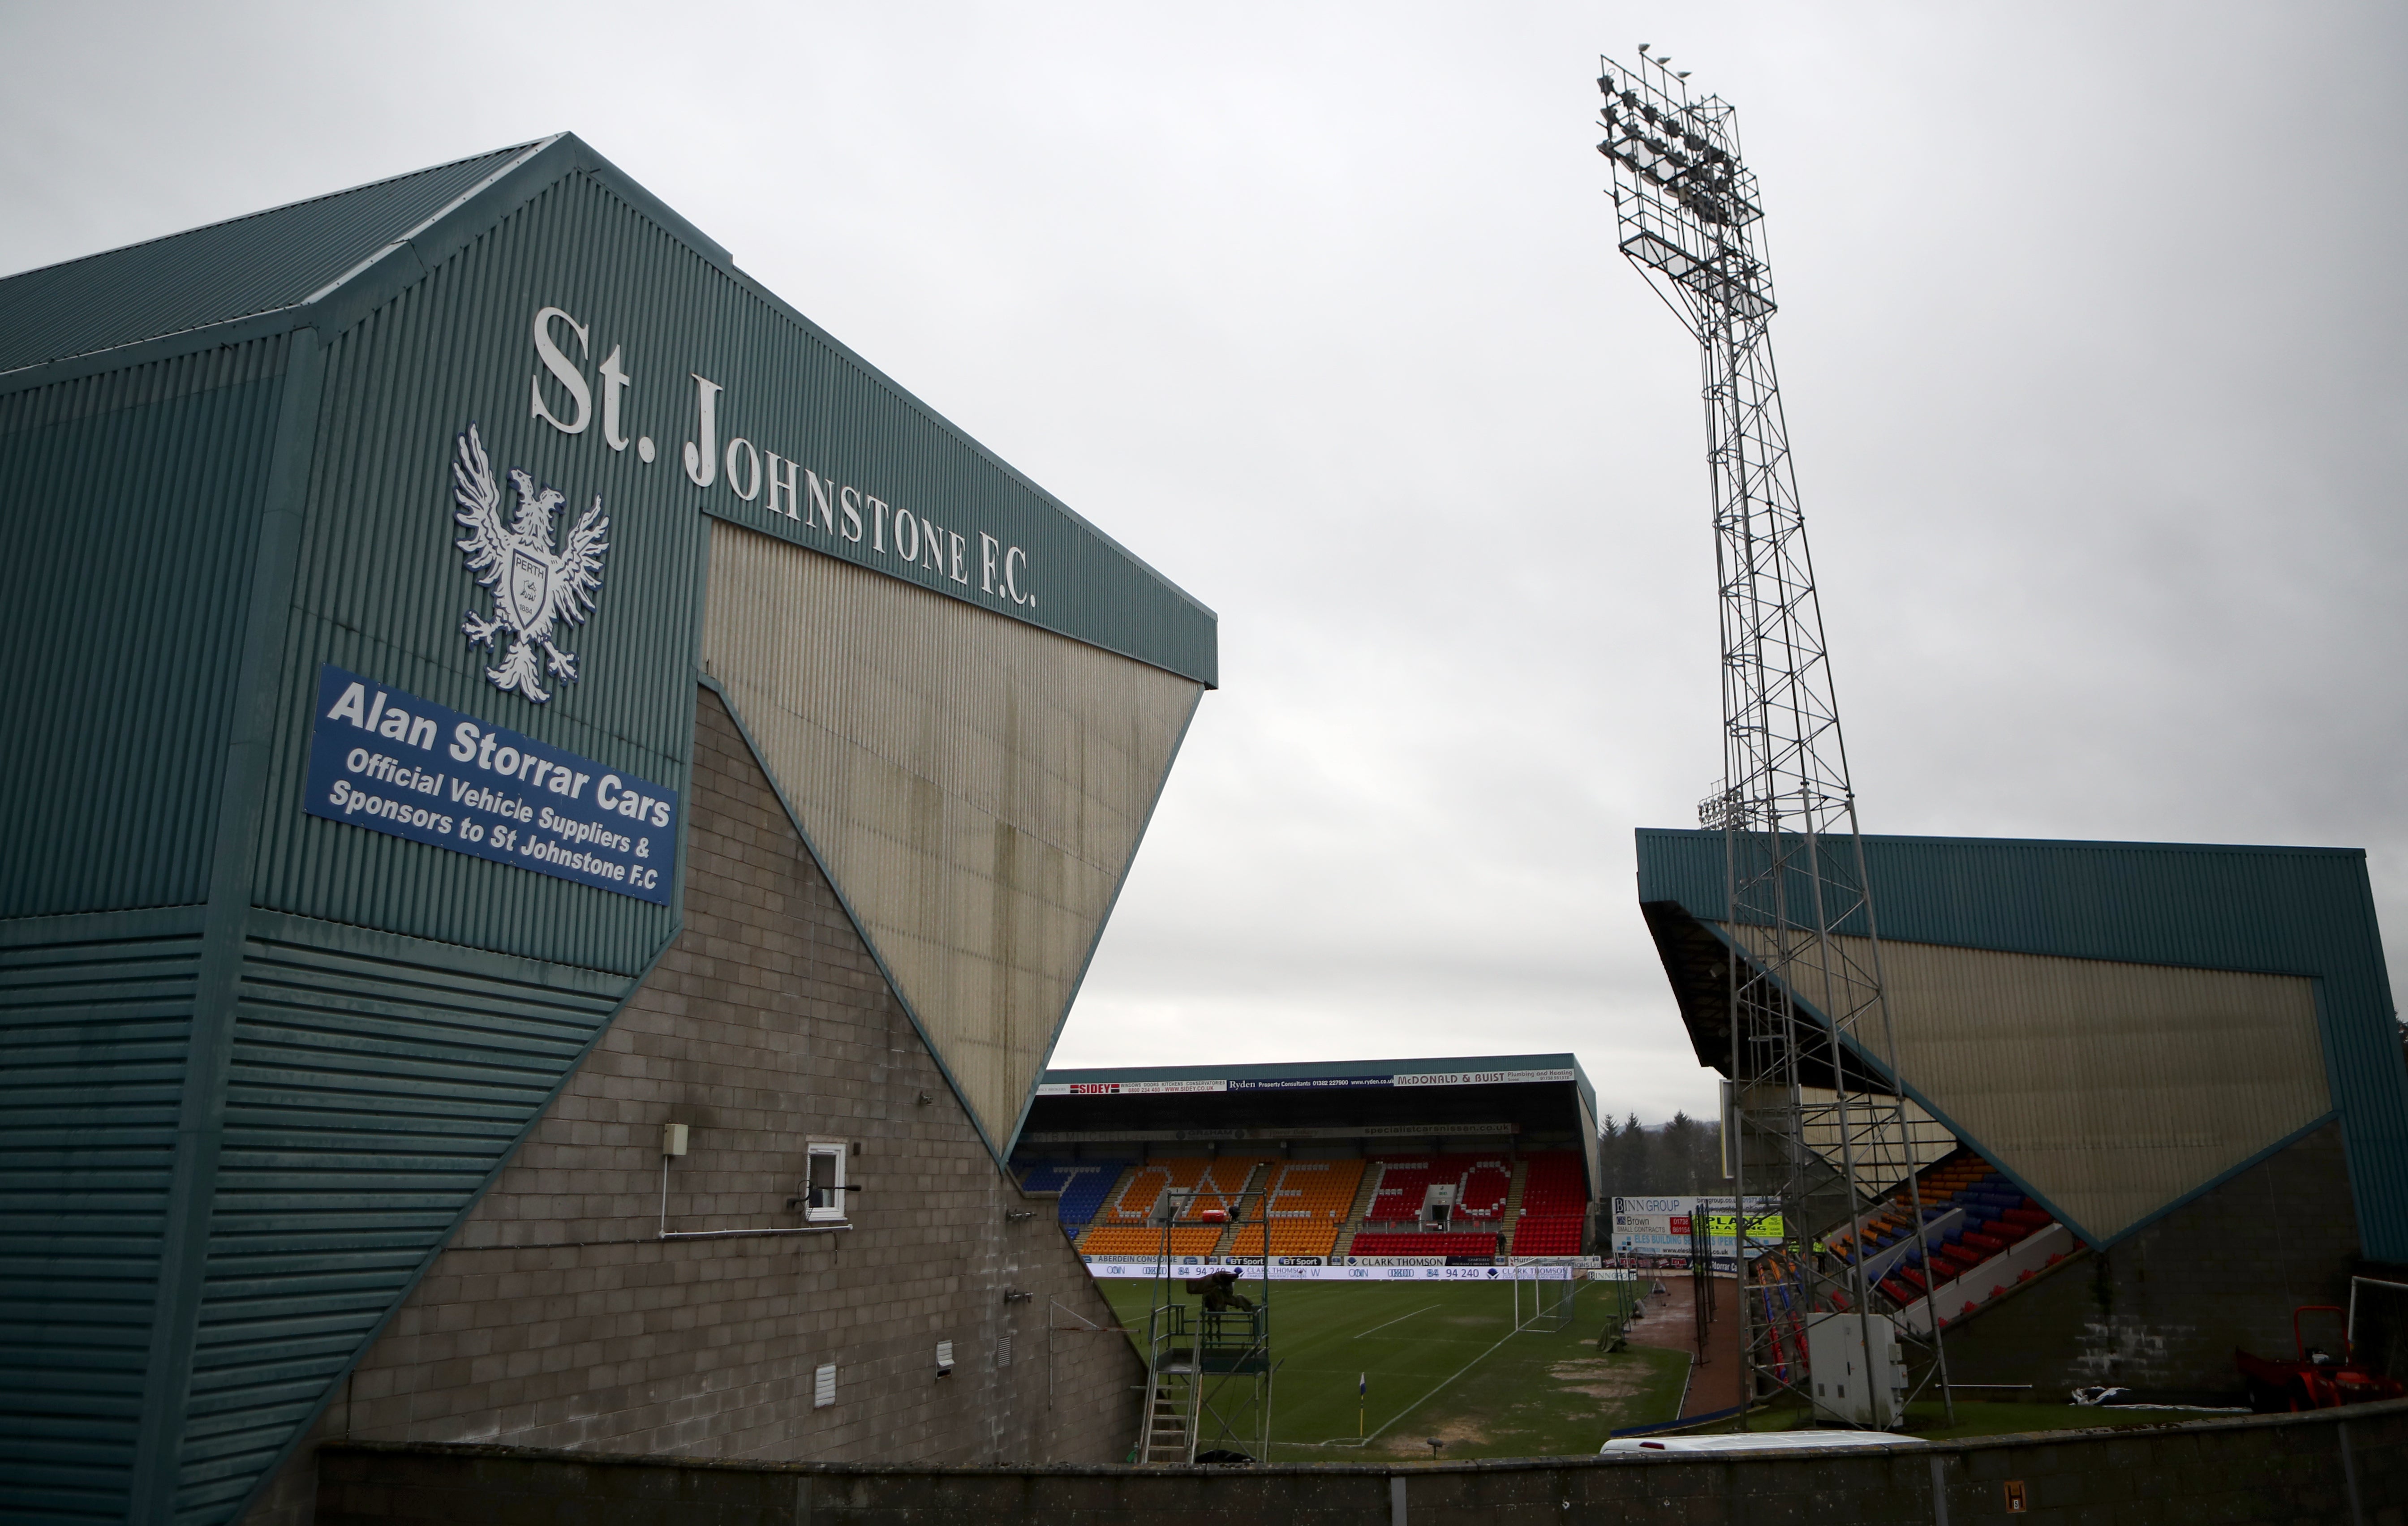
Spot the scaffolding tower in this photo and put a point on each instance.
(1815, 1120)
(1207, 1372)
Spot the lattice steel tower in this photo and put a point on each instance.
(1816, 1123)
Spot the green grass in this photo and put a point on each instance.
(1442, 1361)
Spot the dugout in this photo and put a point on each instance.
(2182, 1061)
(555, 814)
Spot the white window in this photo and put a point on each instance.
(944, 1359)
(823, 1386)
(823, 1186)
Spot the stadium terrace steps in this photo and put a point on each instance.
(1120, 1226)
(1521, 1188)
(1307, 1204)
(1356, 1210)
(1397, 1198)
(1987, 1237)
(1255, 1180)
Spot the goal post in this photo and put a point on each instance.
(1553, 1292)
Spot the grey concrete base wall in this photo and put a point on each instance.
(558, 1318)
(2164, 1309)
(2346, 1468)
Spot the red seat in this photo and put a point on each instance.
(1410, 1243)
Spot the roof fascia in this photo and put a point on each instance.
(2118, 842)
(234, 331)
(1297, 1069)
(407, 260)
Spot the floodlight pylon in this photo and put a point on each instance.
(1821, 1136)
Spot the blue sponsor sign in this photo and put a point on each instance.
(386, 760)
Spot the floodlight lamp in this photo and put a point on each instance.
(1683, 74)
(1642, 46)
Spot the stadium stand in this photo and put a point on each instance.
(1304, 1205)
(1081, 1183)
(1119, 1226)
(1422, 1243)
(1976, 1212)
(1481, 1188)
(1215, 1182)
(1140, 1240)
(1555, 1204)
(1397, 1198)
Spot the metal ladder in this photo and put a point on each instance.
(1169, 1418)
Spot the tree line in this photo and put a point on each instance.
(1682, 1158)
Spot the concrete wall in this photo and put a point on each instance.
(976, 784)
(2109, 1089)
(2164, 1309)
(2348, 1468)
(557, 1318)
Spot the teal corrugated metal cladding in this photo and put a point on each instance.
(132, 499)
(2307, 911)
(379, 587)
(333, 1035)
(95, 1020)
(373, 1087)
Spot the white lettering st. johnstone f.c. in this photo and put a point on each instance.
(716, 461)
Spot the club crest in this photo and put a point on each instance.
(534, 588)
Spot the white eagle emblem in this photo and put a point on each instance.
(531, 588)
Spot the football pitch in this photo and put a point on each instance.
(1440, 1360)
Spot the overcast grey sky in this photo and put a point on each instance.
(2091, 345)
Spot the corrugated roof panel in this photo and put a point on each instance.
(258, 264)
(2305, 911)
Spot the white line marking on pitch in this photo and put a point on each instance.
(1397, 1320)
(1433, 1394)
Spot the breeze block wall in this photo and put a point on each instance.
(558, 1318)
(2163, 1308)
